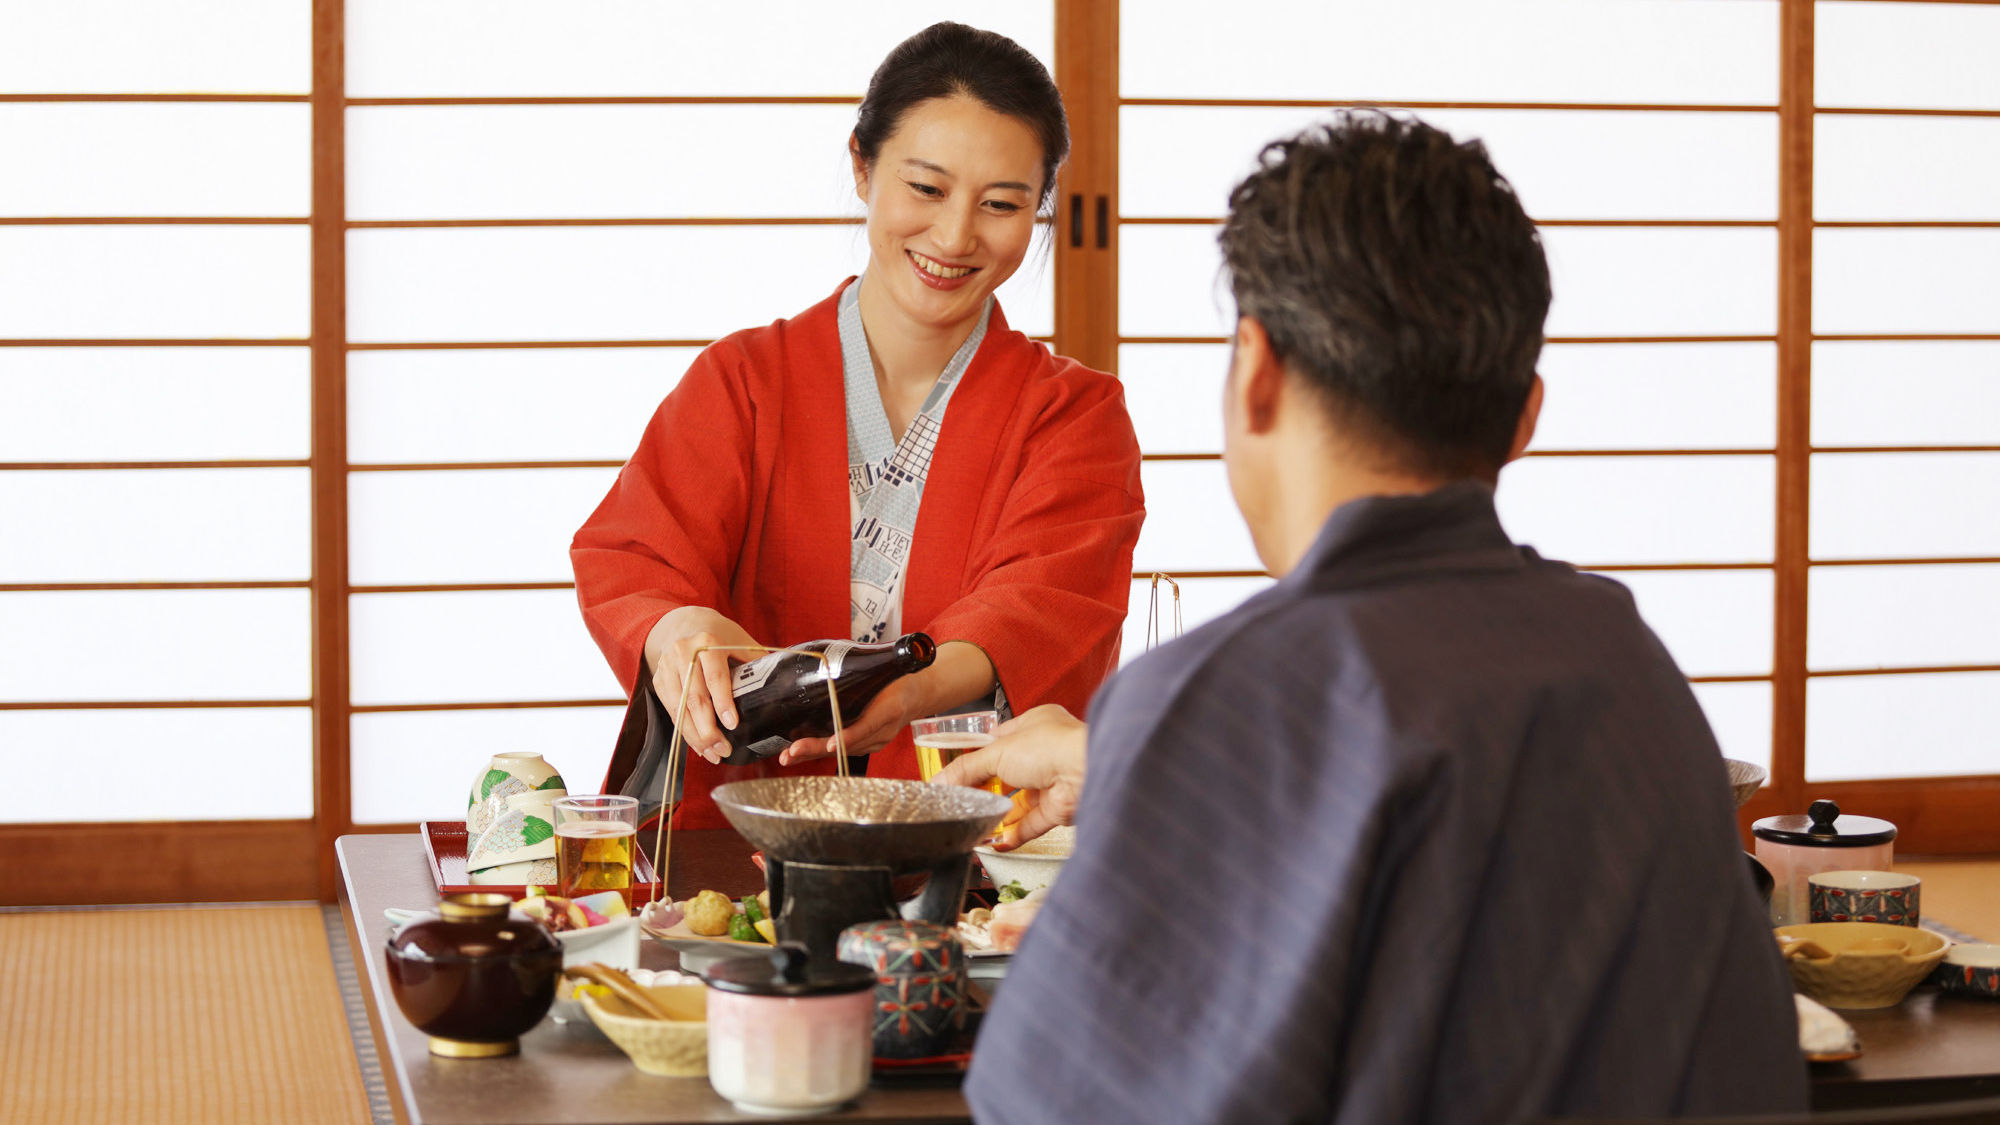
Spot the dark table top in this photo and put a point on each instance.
(1932, 1047)
(565, 1072)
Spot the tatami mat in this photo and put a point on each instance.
(172, 1016)
(1963, 893)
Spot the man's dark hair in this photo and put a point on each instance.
(1396, 273)
(947, 59)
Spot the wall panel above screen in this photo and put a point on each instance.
(1191, 521)
(599, 161)
(155, 404)
(1871, 281)
(1906, 392)
(1174, 394)
(496, 404)
(130, 47)
(1905, 505)
(1740, 716)
(167, 282)
(1903, 617)
(97, 645)
(480, 646)
(639, 48)
(152, 158)
(1901, 726)
(478, 525)
(1919, 56)
(1658, 396)
(155, 525)
(1202, 600)
(1634, 51)
(1613, 510)
(1906, 168)
(242, 763)
(419, 765)
(615, 283)
(1181, 161)
(1714, 622)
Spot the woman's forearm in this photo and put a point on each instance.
(960, 674)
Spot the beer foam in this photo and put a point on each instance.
(595, 828)
(954, 740)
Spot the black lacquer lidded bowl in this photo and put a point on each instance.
(474, 976)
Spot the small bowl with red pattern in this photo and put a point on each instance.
(1970, 970)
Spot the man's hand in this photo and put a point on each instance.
(672, 643)
(1042, 753)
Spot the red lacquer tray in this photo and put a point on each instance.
(445, 844)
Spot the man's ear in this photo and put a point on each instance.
(860, 167)
(1256, 377)
(1524, 426)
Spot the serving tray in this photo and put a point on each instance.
(445, 845)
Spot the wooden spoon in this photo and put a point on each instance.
(1791, 947)
(622, 987)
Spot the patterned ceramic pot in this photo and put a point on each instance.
(920, 985)
(1970, 970)
(510, 822)
(1865, 896)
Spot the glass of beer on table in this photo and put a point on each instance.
(942, 738)
(594, 840)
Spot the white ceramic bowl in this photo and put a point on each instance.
(1034, 864)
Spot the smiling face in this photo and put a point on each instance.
(951, 208)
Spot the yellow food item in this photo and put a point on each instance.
(708, 913)
(768, 930)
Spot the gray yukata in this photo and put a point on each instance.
(1431, 830)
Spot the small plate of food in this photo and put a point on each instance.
(710, 926)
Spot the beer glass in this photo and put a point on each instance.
(594, 840)
(942, 738)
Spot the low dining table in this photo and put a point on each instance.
(1930, 1048)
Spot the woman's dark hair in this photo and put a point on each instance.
(1396, 272)
(947, 59)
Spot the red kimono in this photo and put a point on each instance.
(737, 500)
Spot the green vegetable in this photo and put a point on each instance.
(752, 909)
(1013, 891)
(742, 929)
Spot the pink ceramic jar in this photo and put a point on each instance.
(787, 1035)
(1795, 848)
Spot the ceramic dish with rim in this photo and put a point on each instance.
(1034, 864)
(698, 951)
(1859, 964)
(1745, 778)
(1972, 969)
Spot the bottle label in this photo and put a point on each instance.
(749, 677)
(836, 651)
(768, 747)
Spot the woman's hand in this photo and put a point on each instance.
(960, 674)
(1043, 754)
(673, 641)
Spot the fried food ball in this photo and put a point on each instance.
(709, 912)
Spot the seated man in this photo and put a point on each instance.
(1433, 829)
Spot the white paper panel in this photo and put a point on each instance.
(155, 404)
(1191, 521)
(1740, 716)
(168, 282)
(1608, 281)
(1902, 726)
(1714, 622)
(1662, 281)
(1918, 56)
(150, 158)
(1903, 167)
(478, 525)
(493, 48)
(481, 404)
(474, 647)
(155, 644)
(1183, 161)
(1174, 394)
(240, 763)
(155, 525)
(599, 161)
(1658, 396)
(1202, 600)
(1868, 281)
(1697, 51)
(1604, 510)
(616, 283)
(1903, 616)
(417, 765)
(1906, 392)
(134, 47)
(1905, 505)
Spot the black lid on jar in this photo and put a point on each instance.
(1824, 827)
(788, 970)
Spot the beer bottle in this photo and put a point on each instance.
(782, 697)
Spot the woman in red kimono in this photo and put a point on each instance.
(764, 501)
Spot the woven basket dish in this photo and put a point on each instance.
(1870, 964)
(675, 1048)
